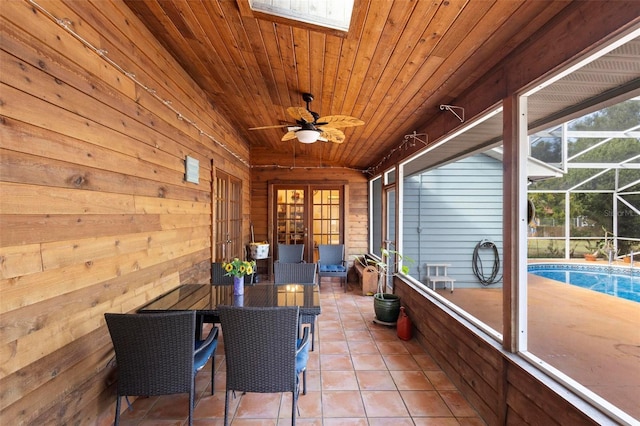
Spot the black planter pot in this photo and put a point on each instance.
(386, 307)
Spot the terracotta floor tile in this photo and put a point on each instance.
(336, 362)
(345, 422)
(354, 324)
(358, 335)
(384, 404)
(457, 403)
(435, 421)
(339, 380)
(207, 422)
(440, 380)
(300, 421)
(313, 380)
(342, 404)
(259, 406)
(411, 380)
(368, 362)
(414, 347)
(141, 407)
(314, 360)
(395, 421)
(426, 362)
(392, 348)
(334, 347)
(332, 335)
(401, 362)
(375, 380)
(255, 422)
(363, 347)
(170, 407)
(211, 406)
(309, 406)
(382, 334)
(425, 403)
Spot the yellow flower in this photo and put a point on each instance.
(238, 268)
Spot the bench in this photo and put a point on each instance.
(367, 276)
(437, 273)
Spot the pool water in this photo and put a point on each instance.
(613, 280)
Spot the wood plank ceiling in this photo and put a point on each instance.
(399, 61)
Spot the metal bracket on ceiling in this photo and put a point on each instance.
(416, 137)
(452, 108)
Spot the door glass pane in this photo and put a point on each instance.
(391, 233)
(376, 216)
(221, 223)
(326, 216)
(290, 216)
(236, 248)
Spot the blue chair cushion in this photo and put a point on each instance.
(302, 357)
(332, 268)
(201, 358)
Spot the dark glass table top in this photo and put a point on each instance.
(205, 298)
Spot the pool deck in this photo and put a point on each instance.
(593, 337)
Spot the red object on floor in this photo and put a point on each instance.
(404, 325)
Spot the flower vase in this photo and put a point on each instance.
(238, 286)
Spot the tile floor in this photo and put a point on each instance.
(360, 373)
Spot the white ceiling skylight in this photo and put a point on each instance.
(334, 14)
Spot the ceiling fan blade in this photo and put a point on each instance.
(277, 126)
(300, 114)
(339, 121)
(293, 128)
(288, 136)
(332, 135)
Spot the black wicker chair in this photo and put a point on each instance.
(158, 354)
(263, 352)
(331, 262)
(298, 273)
(294, 273)
(290, 253)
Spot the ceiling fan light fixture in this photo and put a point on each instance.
(307, 136)
(308, 133)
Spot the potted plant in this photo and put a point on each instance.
(238, 269)
(593, 252)
(386, 305)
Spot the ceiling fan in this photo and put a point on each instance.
(310, 127)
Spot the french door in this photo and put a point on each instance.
(309, 214)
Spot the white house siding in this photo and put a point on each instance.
(447, 211)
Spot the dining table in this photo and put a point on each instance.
(205, 299)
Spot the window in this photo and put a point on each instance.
(335, 14)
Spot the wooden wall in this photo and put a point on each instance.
(95, 214)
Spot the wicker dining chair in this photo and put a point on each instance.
(331, 262)
(158, 354)
(298, 273)
(263, 352)
(290, 253)
(294, 273)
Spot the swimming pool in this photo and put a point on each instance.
(622, 282)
